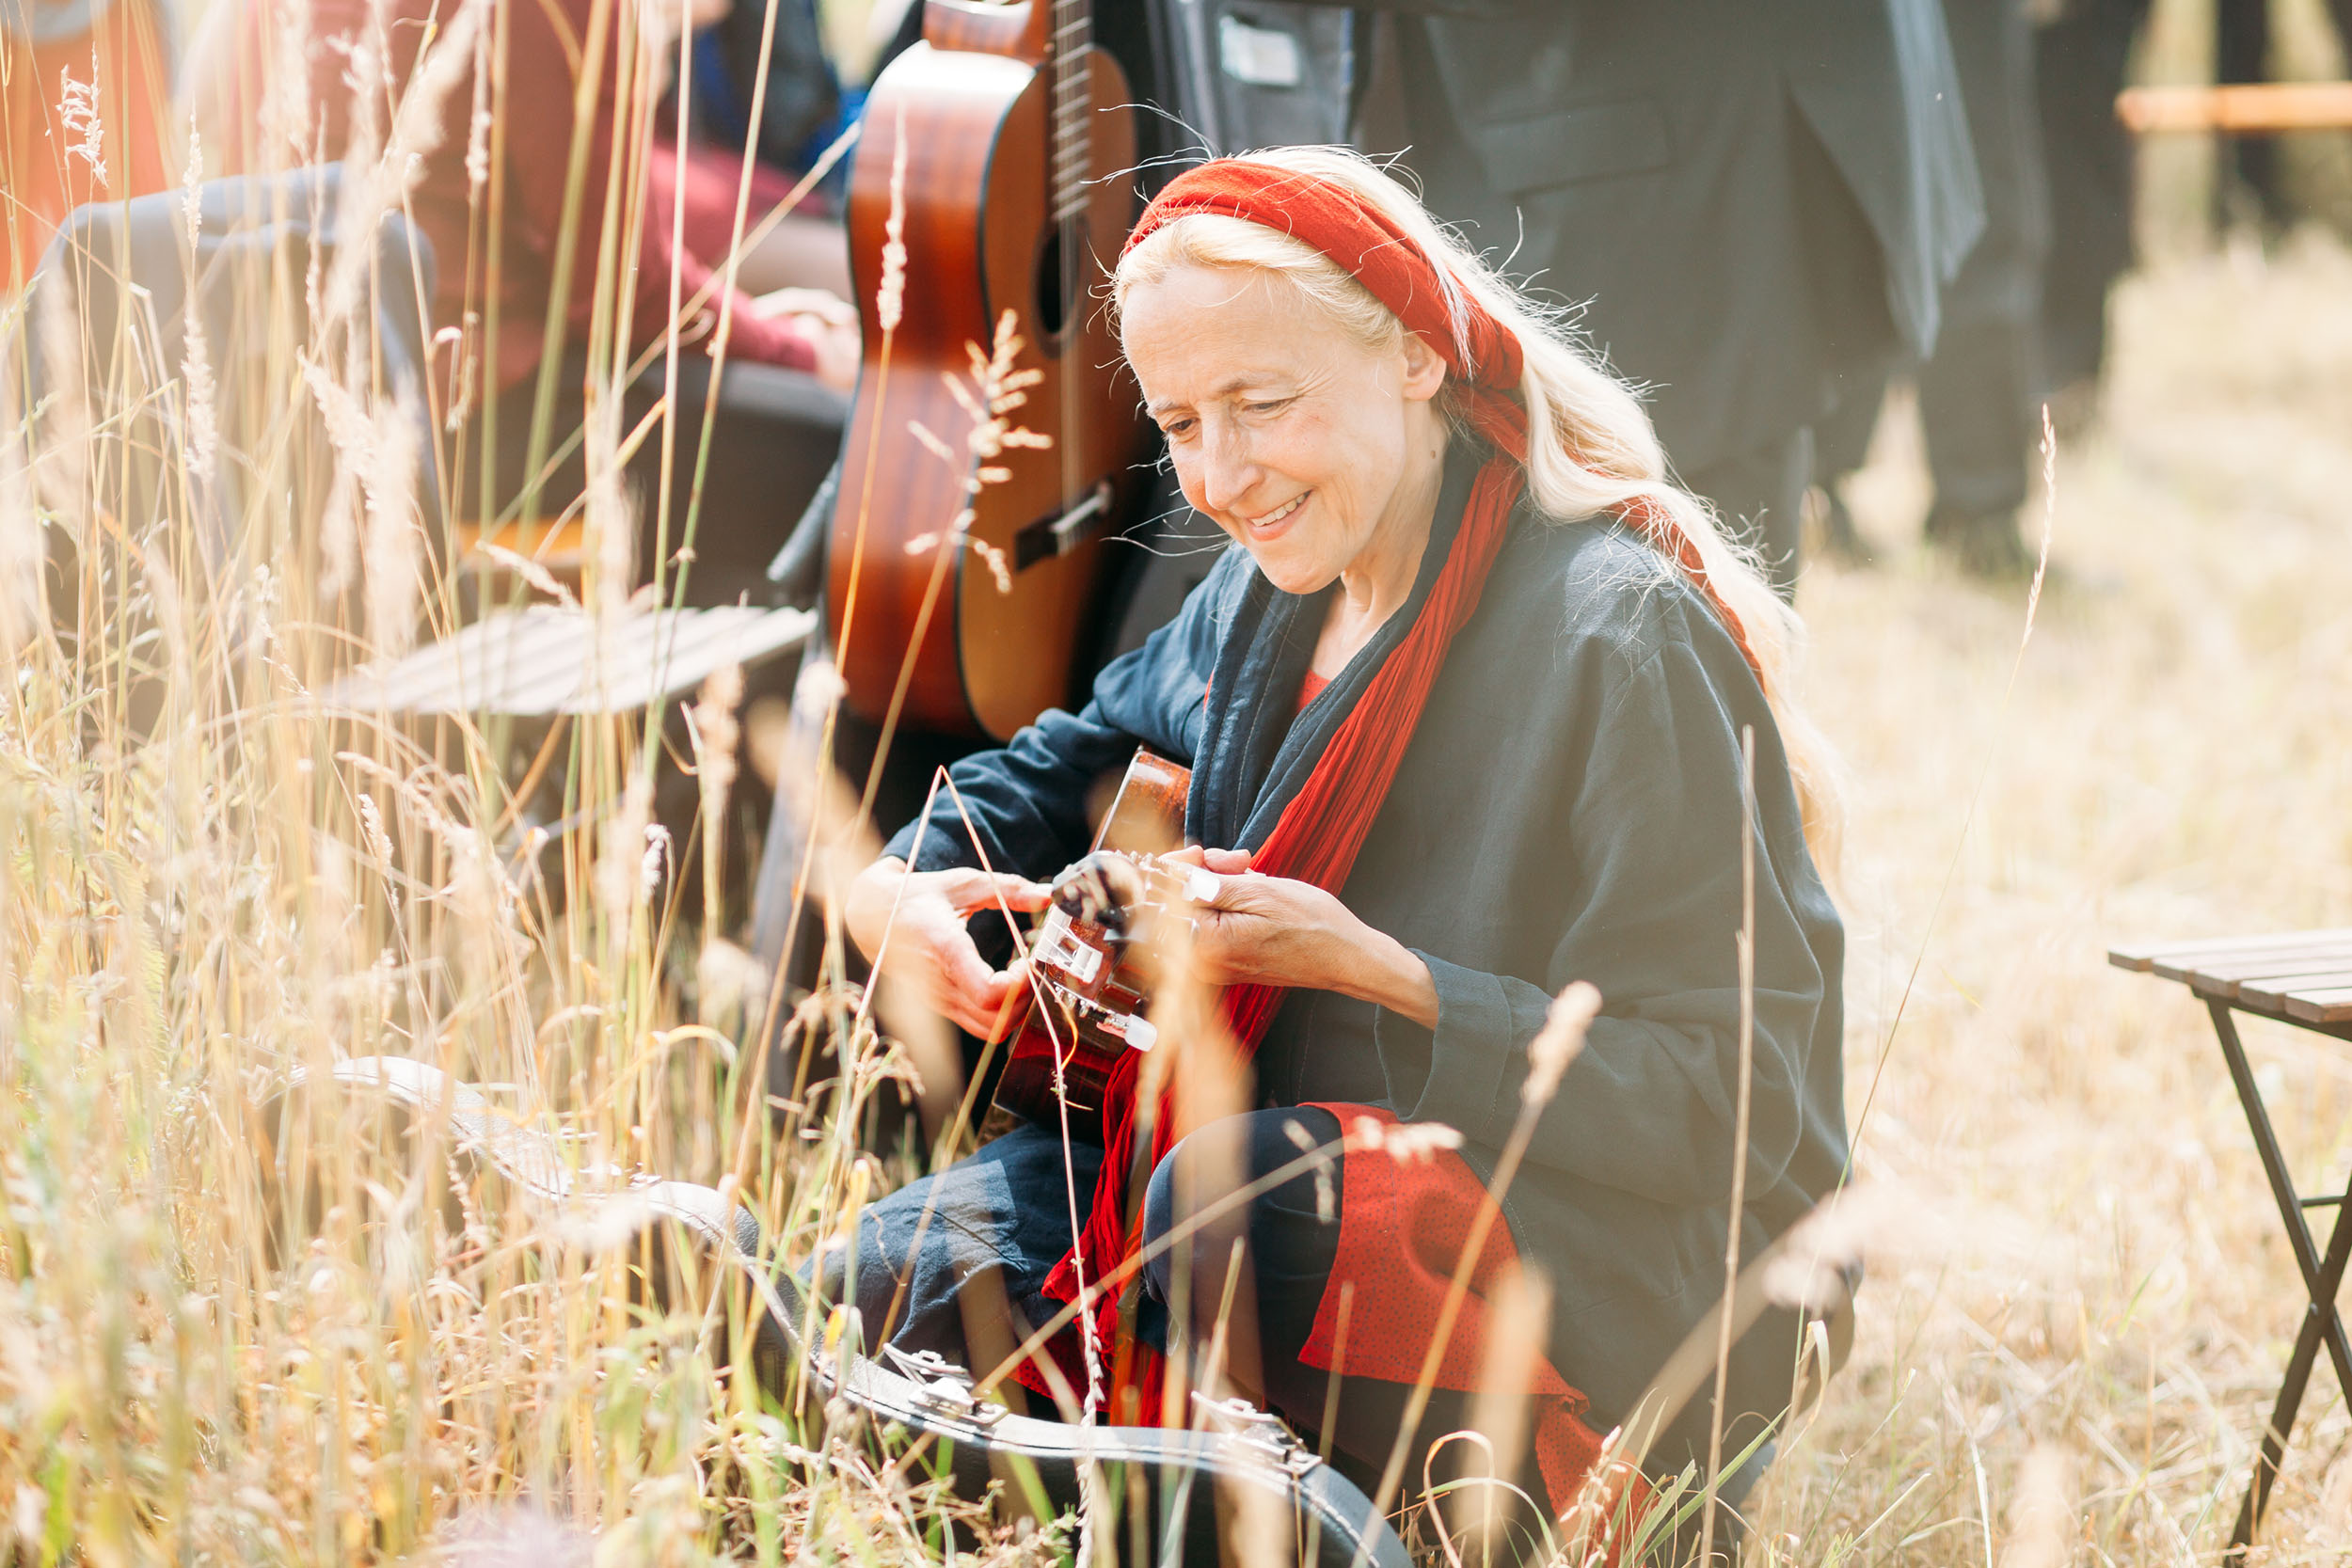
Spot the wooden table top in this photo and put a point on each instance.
(2303, 976)
(546, 659)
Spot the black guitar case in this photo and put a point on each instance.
(1172, 1497)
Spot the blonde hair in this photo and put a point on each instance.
(1590, 445)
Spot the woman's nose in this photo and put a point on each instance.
(1227, 471)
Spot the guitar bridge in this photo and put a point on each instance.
(1049, 537)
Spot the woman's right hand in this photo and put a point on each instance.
(829, 323)
(924, 915)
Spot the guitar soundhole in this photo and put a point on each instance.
(1054, 286)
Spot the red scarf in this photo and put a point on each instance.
(1318, 835)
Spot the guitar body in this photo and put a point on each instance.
(985, 232)
(1092, 988)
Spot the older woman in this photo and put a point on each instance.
(1465, 706)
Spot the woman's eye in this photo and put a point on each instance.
(1269, 405)
(1176, 429)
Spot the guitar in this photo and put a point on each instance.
(1092, 958)
(1015, 133)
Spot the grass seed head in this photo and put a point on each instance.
(1560, 1041)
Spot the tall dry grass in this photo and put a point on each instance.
(2065, 1350)
(212, 880)
(2092, 1298)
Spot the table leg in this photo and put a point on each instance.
(2322, 1278)
(2318, 1324)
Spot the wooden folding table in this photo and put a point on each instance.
(2303, 979)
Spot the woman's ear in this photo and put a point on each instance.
(1424, 368)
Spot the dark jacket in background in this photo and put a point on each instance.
(1567, 809)
(1979, 390)
(1755, 197)
(2081, 57)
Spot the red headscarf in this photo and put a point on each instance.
(1319, 833)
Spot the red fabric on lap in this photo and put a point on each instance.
(1069, 1359)
(1399, 1294)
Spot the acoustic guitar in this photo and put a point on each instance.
(1017, 138)
(1093, 959)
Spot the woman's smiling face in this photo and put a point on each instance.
(1311, 451)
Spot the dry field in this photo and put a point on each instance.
(2092, 1269)
(2067, 1339)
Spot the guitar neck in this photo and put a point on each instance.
(1073, 31)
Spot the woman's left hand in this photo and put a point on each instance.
(1251, 928)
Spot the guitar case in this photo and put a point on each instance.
(1189, 1498)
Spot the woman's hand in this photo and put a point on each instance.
(924, 915)
(830, 324)
(1250, 929)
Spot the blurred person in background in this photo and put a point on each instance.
(802, 325)
(807, 104)
(2251, 189)
(83, 89)
(1760, 207)
(2082, 51)
(1980, 389)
